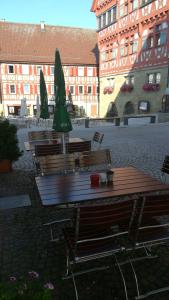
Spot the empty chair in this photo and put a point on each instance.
(96, 231)
(97, 140)
(78, 146)
(152, 229)
(42, 150)
(165, 167)
(51, 164)
(95, 159)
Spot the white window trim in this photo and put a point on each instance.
(82, 89)
(13, 69)
(12, 93)
(71, 85)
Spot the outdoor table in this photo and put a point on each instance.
(30, 145)
(75, 188)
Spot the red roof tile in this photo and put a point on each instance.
(28, 43)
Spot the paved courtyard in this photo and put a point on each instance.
(24, 242)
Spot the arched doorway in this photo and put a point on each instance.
(112, 110)
(128, 108)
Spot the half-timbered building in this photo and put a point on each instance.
(133, 40)
(25, 49)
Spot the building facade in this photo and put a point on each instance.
(27, 48)
(133, 41)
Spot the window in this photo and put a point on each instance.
(89, 89)
(154, 78)
(80, 71)
(123, 51)
(161, 34)
(123, 10)
(150, 41)
(80, 88)
(103, 56)
(52, 70)
(111, 82)
(114, 53)
(135, 4)
(134, 46)
(89, 71)
(38, 68)
(26, 88)
(12, 89)
(107, 18)
(104, 20)
(10, 69)
(25, 69)
(161, 38)
(72, 89)
(144, 43)
(129, 79)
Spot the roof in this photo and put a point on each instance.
(28, 43)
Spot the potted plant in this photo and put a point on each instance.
(9, 150)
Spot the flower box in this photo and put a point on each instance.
(108, 90)
(126, 88)
(151, 87)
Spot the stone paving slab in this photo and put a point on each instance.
(14, 201)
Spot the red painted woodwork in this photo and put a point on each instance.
(48, 70)
(21, 88)
(17, 89)
(15, 67)
(76, 90)
(20, 69)
(85, 89)
(134, 26)
(7, 88)
(49, 89)
(35, 70)
(31, 89)
(85, 71)
(35, 89)
(94, 89)
(30, 70)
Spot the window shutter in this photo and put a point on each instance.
(35, 71)
(85, 71)
(15, 69)
(31, 89)
(85, 89)
(35, 89)
(94, 89)
(76, 90)
(17, 89)
(21, 88)
(20, 69)
(30, 70)
(49, 89)
(49, 70)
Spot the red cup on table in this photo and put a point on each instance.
(94, 180)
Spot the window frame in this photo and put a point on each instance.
(9, 66)
(10, 90)
(26, 92)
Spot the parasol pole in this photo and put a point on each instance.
(63, 143)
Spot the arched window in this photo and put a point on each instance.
(112, 110)
(129, 108)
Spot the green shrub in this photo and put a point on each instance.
(8, 141)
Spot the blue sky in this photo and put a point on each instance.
(74, 13)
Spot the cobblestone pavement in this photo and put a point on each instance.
(24, 242)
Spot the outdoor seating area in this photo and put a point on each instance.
(111, 231)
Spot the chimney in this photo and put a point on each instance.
(42, 26)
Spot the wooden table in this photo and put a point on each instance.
(76, 188)
(30, 146)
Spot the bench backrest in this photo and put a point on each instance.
(94, 158)
(44, 134)
(71, 147)
(56, 163)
